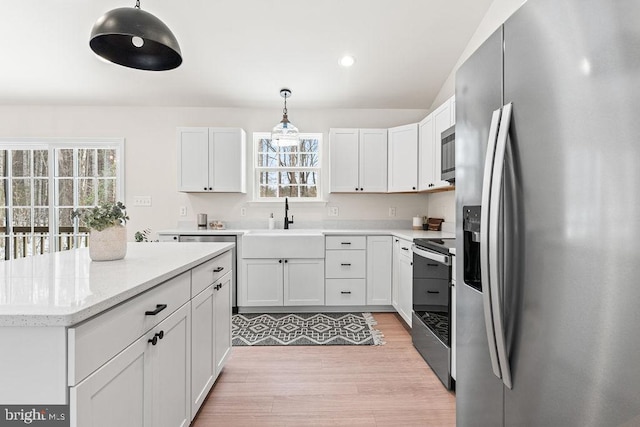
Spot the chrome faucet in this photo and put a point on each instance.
(287, 221)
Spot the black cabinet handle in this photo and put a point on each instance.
(286, 261)
(218, 287)
(432, 265)
(280, 261)
(175, 237)
(159, 308)
(210, 188)
(414, 188)
(156, 337)
(205, 189)
(346, 265)
(345, 292)
(356, 188)
(405, 249)
(345, 243)
(433, 292)
(218, 270)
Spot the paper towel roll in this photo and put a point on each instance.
(417, 223)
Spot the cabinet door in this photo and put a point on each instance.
(405, 287)
(304, 282)
(441, 122)
(193, 159)
(171, 370)
(395, 280)
(426, 149)
(262, 282)
(227, 159)
(203, 341)
(373, 160)
(379, 273)
(453, 110)
(344, 160)
(403, 158)
(222, 315)
(117, 394)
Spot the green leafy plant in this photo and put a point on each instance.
(103, 216)
(142, 236)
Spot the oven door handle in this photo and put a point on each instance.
(433, 256)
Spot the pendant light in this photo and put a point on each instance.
(285, 134)
(134, 38)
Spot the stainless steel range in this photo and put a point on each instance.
(431, 330)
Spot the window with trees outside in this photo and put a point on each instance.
(43, 181)
(288, 171)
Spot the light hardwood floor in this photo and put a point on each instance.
(388, 385)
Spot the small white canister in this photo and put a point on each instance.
(417, 223)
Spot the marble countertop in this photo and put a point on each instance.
(402, 233)
(65, 288)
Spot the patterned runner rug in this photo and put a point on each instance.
(305, 329)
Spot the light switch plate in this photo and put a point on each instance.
(333, 211)
(142, 201)
(183, 211)
(392, 211)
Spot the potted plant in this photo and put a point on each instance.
(108, 234)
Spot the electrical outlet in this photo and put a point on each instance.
(333, 211)
(142, 201)
(183, 211)
(392, 211)
(243, 211)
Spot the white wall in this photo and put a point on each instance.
(151, 157)
(497, 13)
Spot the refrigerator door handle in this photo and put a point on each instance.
(484, 241)
(495, 268)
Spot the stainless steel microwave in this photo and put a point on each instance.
(448, 154)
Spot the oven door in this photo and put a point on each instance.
(430, 330)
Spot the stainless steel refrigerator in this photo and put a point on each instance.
(548, 229)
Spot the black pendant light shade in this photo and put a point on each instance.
(134, 38)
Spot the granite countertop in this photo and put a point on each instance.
(65, 288)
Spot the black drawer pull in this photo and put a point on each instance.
(153, 340)
(159, 308)
(218, 270)
(433, 265)
(346, 265)
(433, 292)
(345, 292)
(345, 243)
(405, 249)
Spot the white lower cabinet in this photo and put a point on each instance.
(403, 278)
(211, 338)
(151, 361)
(379, 270)
(144, 385)
(283, 282)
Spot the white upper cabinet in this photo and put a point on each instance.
(358, 160)
(431, 128)
(403, 158)
(211, 160)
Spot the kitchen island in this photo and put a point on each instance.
(95, 335)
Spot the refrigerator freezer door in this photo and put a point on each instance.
(572, 71)
(479, 393)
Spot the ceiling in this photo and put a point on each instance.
(240, 53)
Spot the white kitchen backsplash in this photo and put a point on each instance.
(443, 205)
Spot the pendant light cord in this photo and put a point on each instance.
(284, 110)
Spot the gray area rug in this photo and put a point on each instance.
(305, 329)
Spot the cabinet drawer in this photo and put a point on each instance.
(346, 264)
(346, 242)
(345, 291)
(404, 248)
(97, 340)
(210, 271)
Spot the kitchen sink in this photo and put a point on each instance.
(280, 243)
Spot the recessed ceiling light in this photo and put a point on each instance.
(347, 61)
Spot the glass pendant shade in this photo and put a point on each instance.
(133, 38)
(285, 134)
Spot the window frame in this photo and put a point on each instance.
(51, 145)
(257, 136)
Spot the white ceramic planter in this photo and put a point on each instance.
(109, 244)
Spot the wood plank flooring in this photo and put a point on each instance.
(388, 385)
